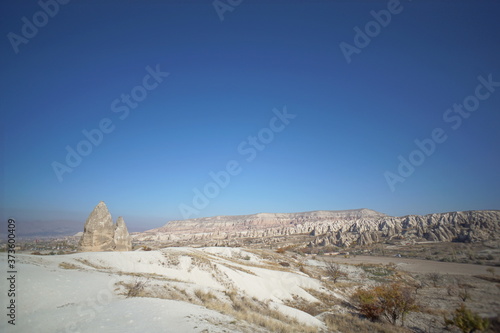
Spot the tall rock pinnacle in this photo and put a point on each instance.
(99, 233)
(123, 241)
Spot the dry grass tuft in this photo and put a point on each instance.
(306, 271)
(327, 300)
(348, 323)
(282, 250)
(241, 269)
(134, 289)
(312, 308)
(254, 312)
(239, 307)
(91, 264)
(205, 297)
(67, 265)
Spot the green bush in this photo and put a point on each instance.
(467, 321)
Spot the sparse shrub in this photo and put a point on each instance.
(491, 270)
(311, 308)
(417, 285)
(146, 248)
(203, 296)
(135, 289)
(338, 322)
(451, 290)
(378, 271)
(304, 250)
(466, 320)
(259, 313)
(435, 278)
(305, 271)
(284, 264)
(334, 271)
(463, 291)
(285, 248)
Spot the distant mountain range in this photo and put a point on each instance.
(340, 228)
(42, 229)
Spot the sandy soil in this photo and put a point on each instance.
(415, 265)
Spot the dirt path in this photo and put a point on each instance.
(416, 265)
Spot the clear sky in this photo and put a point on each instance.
(304, 105)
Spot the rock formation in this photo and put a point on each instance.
(99, 233)
(322, 228)
(123, 241)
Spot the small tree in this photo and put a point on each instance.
(334, 271)
(467, 321)
(393, 301)
(368, 303)
(397, 301)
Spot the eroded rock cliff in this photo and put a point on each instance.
(340, 228)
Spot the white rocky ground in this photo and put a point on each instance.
(222, 289)
(85, 292)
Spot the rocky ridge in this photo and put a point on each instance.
(339, 228)
(100, 234)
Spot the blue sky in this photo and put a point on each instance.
(225, 77)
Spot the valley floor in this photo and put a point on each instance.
(414, 265)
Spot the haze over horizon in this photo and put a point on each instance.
(181, 114)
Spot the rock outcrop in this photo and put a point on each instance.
(123, 241)
(339, 228)
(99, 233)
